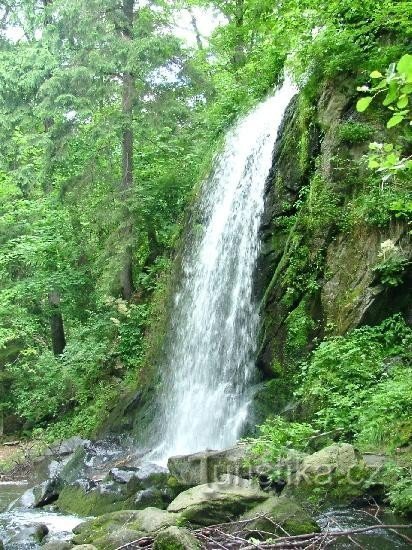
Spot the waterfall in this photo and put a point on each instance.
(212, 338)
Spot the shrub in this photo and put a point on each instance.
(354, 132)
(347, 375)
(276, 437)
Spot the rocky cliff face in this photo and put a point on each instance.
(326, 217)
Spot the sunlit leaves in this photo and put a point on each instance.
(363, 104)
(396, 84)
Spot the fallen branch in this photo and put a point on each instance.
(216, 537)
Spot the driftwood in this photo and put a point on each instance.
(235, 535)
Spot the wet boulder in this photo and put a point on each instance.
(122, 488)
(217, 502)
(57, 545)
(335, 473)
(46, 493)
(66, 447)
(209, 466)
(175, 538)
(27, 536)
(41, 495)
(146, 476)
(145, 521)
(278, 515)
(122, 476)
(116, 539)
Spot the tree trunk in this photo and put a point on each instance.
(58, 337)
(128, 91)
(56, 323)
(239, 54)
(196, 30)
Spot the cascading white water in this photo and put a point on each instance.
(212, 337)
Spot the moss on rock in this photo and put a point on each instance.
(280, 514)
(117, 538)
(336, 473)
(145, 521)
(175, 538)
(216, 502)
(75, 500)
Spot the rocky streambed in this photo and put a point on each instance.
(106, 494)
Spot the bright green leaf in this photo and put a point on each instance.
(393, 121)
(402, 101)
(404, 66)
(372, 164)
(363, 104)
(392, 94)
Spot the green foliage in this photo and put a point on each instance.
(396, 85)
(377, 205)
(277, 436)
(392, 264)
(348, 375)
(387, 418)
(354, 132)
(400, 494)
(299, 326)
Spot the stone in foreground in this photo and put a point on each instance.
(140, 521)
(337, 472)
(278, 515)
(209, 466)
(216, 502)
(175, 538)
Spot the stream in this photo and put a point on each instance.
(17, 523)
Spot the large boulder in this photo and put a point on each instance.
(67, 446)
(216, 502)
(121, 489)
(337, 473)
(338, 459)
(116, 539)
(142, 522)
(146, 476)
(278, 515)
(175, 538)
(47, 492)
(28, 536)
(209, 466)
(57, 545)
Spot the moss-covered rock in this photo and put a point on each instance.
(353, 296)
(95, 502)
(142, 521)
(123, 489)
(56, 545)
(279, 514)
(336, 473)
(117, 538)
(216, 502)
(208, 466)
(175, 538)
